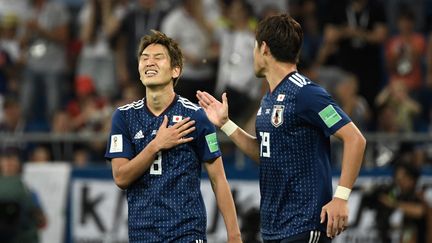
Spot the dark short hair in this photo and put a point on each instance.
(10, 151)
(409, 168)
(283, 35)
(174, 52)
(405, 12)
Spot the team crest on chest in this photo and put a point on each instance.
(277, 115)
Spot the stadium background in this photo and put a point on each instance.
(62, 145)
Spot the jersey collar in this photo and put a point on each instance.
(281, 82)
(173, 102)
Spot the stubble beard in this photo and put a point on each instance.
(260, 73)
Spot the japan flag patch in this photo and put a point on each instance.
(280, 97)
(177, 119)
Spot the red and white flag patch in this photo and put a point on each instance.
(177, 118)
(280, 97)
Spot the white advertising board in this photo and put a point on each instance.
(50, 182)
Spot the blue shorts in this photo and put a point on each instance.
(308, 237)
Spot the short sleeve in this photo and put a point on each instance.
(119, 142)
(206, 142)
(315, 106)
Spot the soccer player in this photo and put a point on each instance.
(293, 126)
(157, 146)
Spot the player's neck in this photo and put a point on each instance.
(159, 99)
(277, 71)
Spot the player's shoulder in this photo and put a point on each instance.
(131, 107)
(128, 110)
(298, 80)
(192, 110)
(187, 105)
(305, 86)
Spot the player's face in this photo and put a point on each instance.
(155, 66)
(258, 62)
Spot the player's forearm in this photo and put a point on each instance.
(59, 35)
(378, 35)
(132, 170)
(354, 147)
(247, 143)
(412, 209)
(226, 206)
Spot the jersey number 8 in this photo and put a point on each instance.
(156, 167)
(265, 144)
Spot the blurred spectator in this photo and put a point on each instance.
(312, 36)
(88, 112)
(99, 21)
(353, 40)
(130, 94)
(405, 52)
(429, 62)
(13, 121)
(9, 41)
(11, 56)
(81, 158)
(403, 196)
(146, 15)
(15, 7)
(21, 214)
(396, 114)
(328, 76)
(236, 75)
(61, 125)
(269, 7)
(45, 38)
(269, 10)
(198, 45)
(354, 105)
(416, 6)
(396, 97)
(40, 154)
(5, 68)
(424, 96)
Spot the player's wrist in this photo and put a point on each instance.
(342, 192)
(229, 127)
(234, 237)
(154, 147)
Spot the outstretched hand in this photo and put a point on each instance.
(216, 111)
(169, 137)
(336, 212)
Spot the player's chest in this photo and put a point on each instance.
(275, 112)
(146, 128)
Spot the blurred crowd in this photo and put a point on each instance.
(66, 65)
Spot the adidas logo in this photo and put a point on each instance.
(139, 135)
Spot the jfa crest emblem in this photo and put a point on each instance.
(277, 115)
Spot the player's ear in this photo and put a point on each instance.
(175, 72)
(264, 49)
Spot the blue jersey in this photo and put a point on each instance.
(165, 203)
(293, 126)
